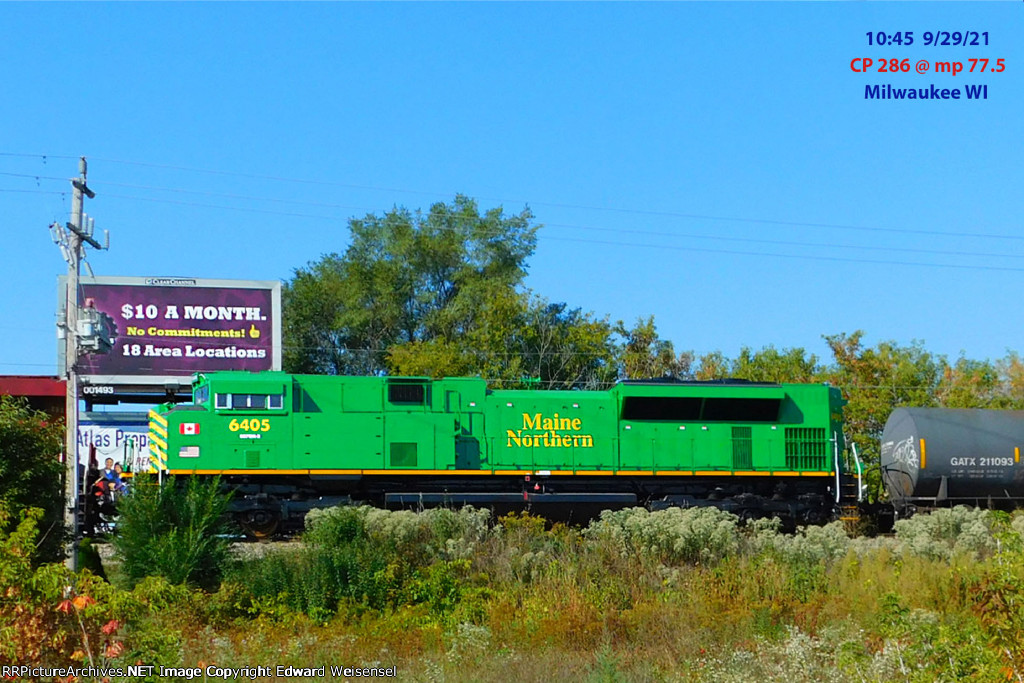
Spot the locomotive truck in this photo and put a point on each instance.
(289, 443)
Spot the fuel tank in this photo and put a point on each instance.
(946, 455)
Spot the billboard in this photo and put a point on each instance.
(165, 330)
(124, 438)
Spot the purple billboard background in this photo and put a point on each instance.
(178, 331)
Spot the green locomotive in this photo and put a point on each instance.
(289, 443)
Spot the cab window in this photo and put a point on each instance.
(250, 401)
(239, 401)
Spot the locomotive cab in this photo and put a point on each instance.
(236, 421)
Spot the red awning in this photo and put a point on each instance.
(31, 386)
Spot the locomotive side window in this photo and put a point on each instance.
(242, 401)
(694, 409)
(670, 408)
(742, 409)
(250, 401)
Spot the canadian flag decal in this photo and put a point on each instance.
(189, 428)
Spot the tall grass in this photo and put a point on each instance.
(449, 596)
(366, 558)
(676, 595)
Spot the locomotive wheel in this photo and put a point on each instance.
(260, 524)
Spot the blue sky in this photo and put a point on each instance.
(706, 163)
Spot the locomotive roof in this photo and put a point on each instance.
(729, 381)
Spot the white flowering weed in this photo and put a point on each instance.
(692, 535)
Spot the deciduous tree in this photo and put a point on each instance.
(771, 365)
(969, 384)
(407, 277)
(646, 355)
(518, 339)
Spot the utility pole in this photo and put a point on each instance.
(72, 243)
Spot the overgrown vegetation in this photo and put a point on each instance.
(31, 473)
(362, 558)
(445, 595)
(176, 532)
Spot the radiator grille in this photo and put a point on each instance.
(806, 448)
(742, 448)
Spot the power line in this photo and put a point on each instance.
(32, 176)
(229, 195)
(32, 191)
(787, 242)
(293, 214)
(30, 365)
(646, 212)
(708, 250)
(558, 225)
(808, 257)
(958, 254)
(44, 157)
(243, 209)
(515, 354)
(642, 212)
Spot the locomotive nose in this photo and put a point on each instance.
(157, 442)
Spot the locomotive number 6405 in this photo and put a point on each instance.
(249, 425)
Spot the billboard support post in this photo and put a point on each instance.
(71, 244)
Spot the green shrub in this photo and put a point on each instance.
(1017, 526)
(311, 581)
(520, 550)
(811, 544)
(996, 594)
(177, 532)
(31, 473)
(416, 537)
(49, 614)
(924, 645)
(368, 558)
(693, 535)
(948, 531)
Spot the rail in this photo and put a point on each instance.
(835, 453)
(860, 473)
